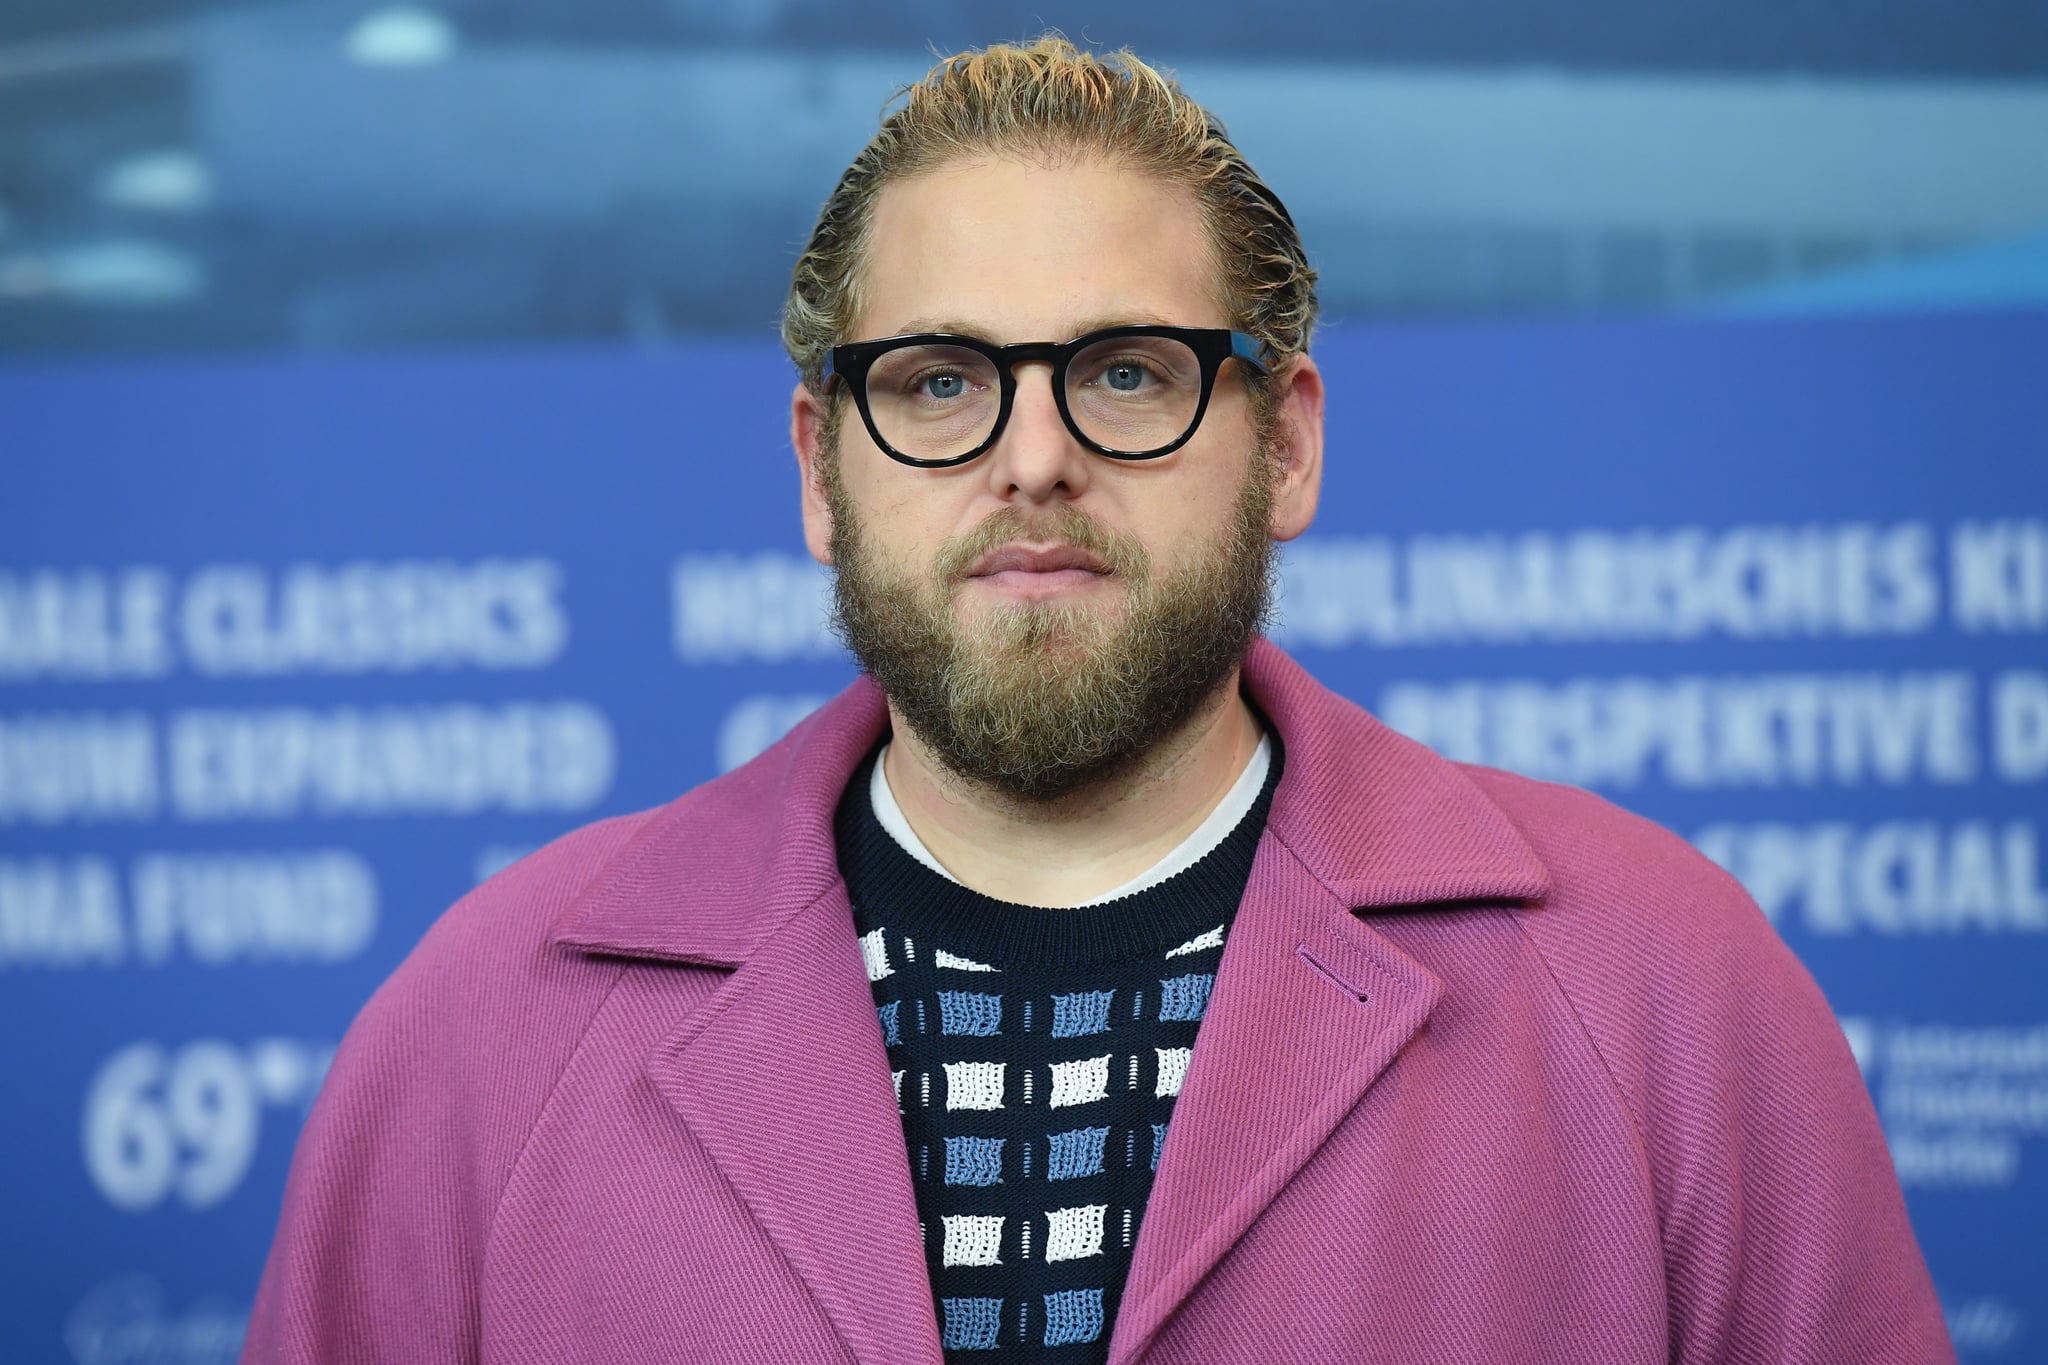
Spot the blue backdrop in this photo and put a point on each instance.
(292, 652)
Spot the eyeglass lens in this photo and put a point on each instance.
(1127, 394)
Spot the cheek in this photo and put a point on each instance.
(905, 520)
(1199, 508)
(917, 508)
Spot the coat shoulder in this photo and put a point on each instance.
(1773, 1187)
(1620, 883)
(480, 1016)
(1666, 961)
(497, 934)
(396, 1177)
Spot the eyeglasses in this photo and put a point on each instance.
(1131, 393)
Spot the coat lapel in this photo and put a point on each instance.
(784, 1079)
(781, 1074)
(1311, 1005)
(1309, 1008)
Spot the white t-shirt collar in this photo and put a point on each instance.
(1191, 850)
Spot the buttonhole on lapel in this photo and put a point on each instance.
(1328, 974)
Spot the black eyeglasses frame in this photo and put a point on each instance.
(1212, 346)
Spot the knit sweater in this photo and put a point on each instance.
(1036, 1055)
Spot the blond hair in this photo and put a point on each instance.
(1050, 99)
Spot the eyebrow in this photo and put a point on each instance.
(955, 327)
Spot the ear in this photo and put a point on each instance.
(1299, 386)
(806, 436)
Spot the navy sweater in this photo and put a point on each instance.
(1037, 1054)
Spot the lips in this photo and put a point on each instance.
(1024, 559)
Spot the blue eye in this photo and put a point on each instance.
(1124, 378)
(943, 385)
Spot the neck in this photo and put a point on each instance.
(1067, 851)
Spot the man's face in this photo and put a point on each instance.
(1042, 615)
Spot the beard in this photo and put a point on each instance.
(1039, 700)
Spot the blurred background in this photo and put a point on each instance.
(330, 175)
(389, 389)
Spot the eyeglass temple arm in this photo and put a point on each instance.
(1250, 350)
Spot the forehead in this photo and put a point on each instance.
(1020, 251)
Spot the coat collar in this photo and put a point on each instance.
(1377, 818)
(783, 1077)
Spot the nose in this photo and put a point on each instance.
(1037, 459)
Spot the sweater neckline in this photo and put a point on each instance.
(1198, 844)
(889, 885)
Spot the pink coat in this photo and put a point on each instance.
(1492, 1071)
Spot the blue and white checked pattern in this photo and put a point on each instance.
(1035, 1112)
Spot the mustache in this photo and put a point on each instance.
(1067, 525)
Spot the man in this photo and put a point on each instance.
(1089, 983)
